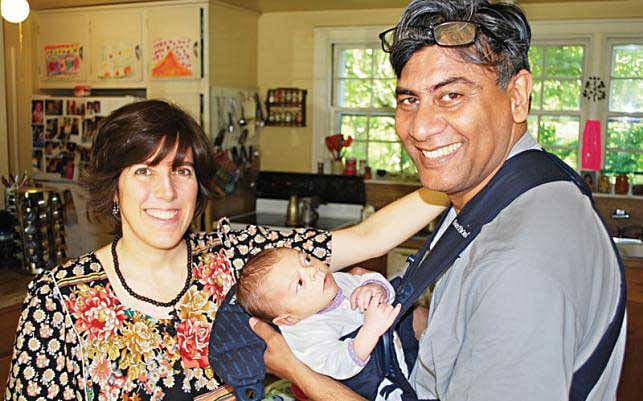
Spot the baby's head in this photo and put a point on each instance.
(284, 286)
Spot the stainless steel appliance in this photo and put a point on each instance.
(340, 201)
(39, 231)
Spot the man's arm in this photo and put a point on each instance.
(389, 227)
(280, 361)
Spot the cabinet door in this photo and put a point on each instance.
(61, 48)
(174, 42)
(115, 45)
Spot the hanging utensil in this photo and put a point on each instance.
(218, 141)
(242, 120)
(259, 116)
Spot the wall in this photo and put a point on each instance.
(285, 58)
(233, 46)
(4, 143)
(18, 61)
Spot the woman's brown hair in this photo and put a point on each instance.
(131, 135)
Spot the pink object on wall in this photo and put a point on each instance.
(591, 149)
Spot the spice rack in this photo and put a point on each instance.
(286, 107)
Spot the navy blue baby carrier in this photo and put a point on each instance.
(236, 353)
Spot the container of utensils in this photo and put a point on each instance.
(39, 234)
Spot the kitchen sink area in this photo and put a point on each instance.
(629, 247)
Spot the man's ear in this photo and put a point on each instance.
(285, 319)
(519, 90)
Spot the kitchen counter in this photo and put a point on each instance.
(13, 286)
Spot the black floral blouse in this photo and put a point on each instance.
(76, 341)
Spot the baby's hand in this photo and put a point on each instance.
(379, 317)
(366, 294)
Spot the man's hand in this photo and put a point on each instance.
(379, 317)
(365, 295)
(278, 357)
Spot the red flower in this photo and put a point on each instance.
(97, 311)
(193, 337)
(214, 272)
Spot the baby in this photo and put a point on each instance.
(314, 308)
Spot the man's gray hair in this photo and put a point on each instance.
(502, 42)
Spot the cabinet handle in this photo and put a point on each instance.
(137, 51)
(80, 52)
(195, 49)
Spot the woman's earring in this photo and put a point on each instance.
(115, 209)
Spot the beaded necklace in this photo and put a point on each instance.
(143, 298)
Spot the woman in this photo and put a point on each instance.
(132, 320)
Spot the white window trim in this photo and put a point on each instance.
(599, 33)
(324, 38)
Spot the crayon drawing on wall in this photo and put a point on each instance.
(171, 58)
(117, 61)
(63, 60)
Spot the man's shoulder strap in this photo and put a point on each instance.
(518, 175)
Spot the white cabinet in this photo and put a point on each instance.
(115, 43)
(61, 47)
(175, 42)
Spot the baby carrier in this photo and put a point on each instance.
(236, 353)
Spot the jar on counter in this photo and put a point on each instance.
(604, 184)
(622, 185)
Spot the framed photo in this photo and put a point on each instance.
(37, 111)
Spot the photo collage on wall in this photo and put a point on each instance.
(62, 131)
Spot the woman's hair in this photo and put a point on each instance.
(250, 294)
(131, 135)
(502, 41)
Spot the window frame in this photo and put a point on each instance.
(581, 113)
(610, 42)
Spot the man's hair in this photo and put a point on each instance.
(502, 41)
(250, 294)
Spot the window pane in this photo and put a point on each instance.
(354, 126)
(561, 95)
(385, 155)
(536, 61)
(382, 65)
(566, 154)
(354, 93)
(384, 93)
(382, 129)
(356, 150)
(564, 61)
(355, 63)
(626, 95)
(408, 167)
(532, 126)
(625, 133)
(627, 61)
(559, 131)
(535, 95)
(624, 162)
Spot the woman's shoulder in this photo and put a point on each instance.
(79, 269)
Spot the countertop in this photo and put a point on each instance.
(13, 286)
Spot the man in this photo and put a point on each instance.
(528, 300)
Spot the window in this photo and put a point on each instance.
(623, 150)
(364, 106)
(555, 116)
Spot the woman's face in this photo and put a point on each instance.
(157, 202)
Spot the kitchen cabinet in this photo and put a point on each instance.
(116, 49)
(175, 42)
(61, 47)
(631, 387)
(8, 322)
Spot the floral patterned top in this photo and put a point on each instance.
(76, 341)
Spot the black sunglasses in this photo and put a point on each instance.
(448, 34)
